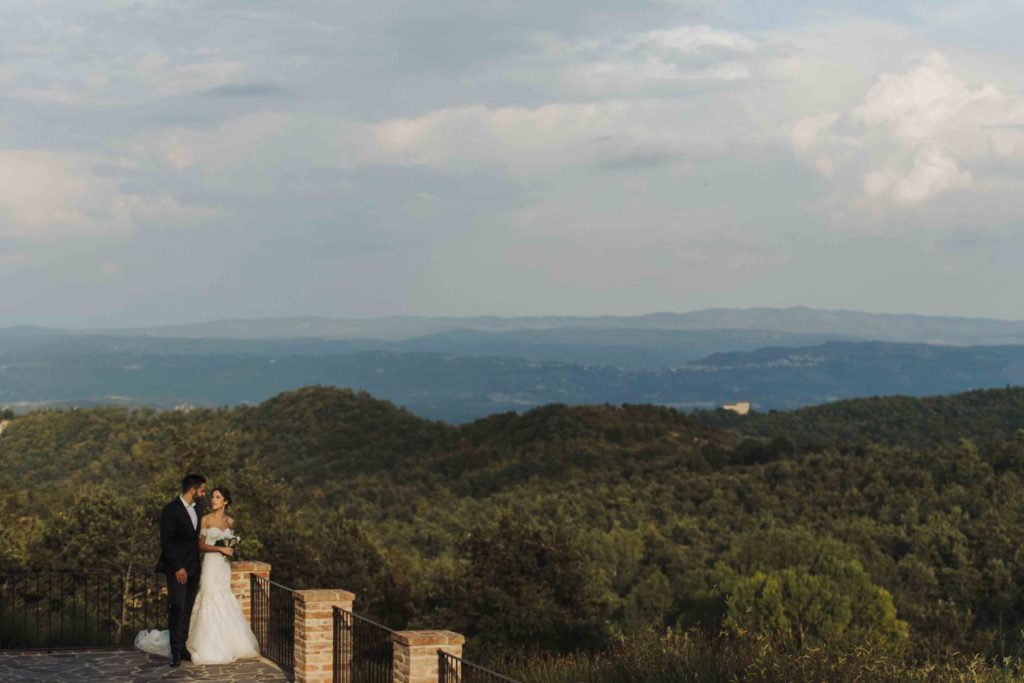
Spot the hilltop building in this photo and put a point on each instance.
(741, 408)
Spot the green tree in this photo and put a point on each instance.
(647, 603)
(345, 557)
(798, 607)
(104, 535)
(527, 585)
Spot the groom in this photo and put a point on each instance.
(179, 561)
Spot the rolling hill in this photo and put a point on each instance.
(462, 388)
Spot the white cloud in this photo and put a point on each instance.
(805, 140)
(250, 151)
(260, 152)
(627, 75)
(42, 193)
(119, 82)
(80, 54)
(46, 194)
(167, 77)
(652, 59)
(693, 40)
(58, 96)
(926, 101)
(236, 142)
(931, 173)
(518, 139)
(916, 135)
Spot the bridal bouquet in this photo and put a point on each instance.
(228, 541)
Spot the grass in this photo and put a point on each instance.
(695, 657)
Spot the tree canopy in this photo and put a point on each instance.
(569, 527)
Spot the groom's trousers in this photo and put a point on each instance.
(180, 599)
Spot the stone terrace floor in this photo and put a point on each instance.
(126, 666)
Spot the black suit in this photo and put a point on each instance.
(179, 549)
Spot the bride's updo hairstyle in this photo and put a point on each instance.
(225, 494)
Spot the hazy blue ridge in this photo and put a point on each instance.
(800, 320)
(460, 388)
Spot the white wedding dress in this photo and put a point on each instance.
(218, 632)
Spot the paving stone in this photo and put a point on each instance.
(127, 666)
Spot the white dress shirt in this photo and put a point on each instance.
(191, 511)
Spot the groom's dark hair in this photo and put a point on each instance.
(192, 481)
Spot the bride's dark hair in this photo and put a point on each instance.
(225, 494)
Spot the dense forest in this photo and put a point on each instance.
(893, 526)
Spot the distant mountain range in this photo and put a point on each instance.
(798, 320)
(458, 369)
(460, 388)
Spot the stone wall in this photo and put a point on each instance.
(415, 658)
(314, 632)
(241, 585)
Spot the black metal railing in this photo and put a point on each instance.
(68, 609)
(452, 669)
(363, 649)
(273, 621)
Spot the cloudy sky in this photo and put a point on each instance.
(184, 160)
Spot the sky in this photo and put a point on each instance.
(165, 162)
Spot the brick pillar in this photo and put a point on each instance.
(415, 658)
(314, 632)
(240, 584)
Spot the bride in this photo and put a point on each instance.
(218, 631)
